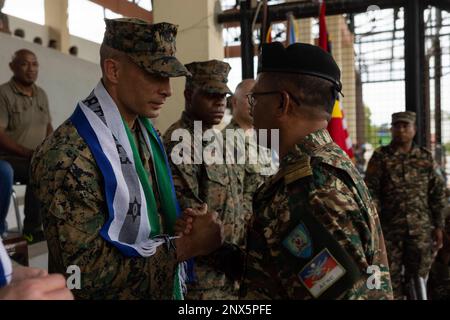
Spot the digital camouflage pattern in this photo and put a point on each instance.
(210, 76)
(252, 174)
(69, 187)
(404, 116)
(220, 187)
(340, 202)
(409, 191)
(151, 46)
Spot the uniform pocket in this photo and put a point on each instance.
(15, 117)
(218, 173)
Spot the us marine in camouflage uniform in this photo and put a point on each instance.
(315, 232)
(410, 194)
(199, 180)
(253, 169)
(137, 60)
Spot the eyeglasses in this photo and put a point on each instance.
(252, 100)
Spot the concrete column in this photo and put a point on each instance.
(305, 26)
(349, 82)
(305, 30)
(56, 19)
(199, 39)
(343, 52)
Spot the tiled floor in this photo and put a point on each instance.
(38, 255)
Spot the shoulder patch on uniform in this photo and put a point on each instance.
(298, 170)
(299, 242)
(321, 273)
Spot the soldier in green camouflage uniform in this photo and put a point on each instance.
(410, 194)
(439, 280)
(315, 232)
(253, 172)
(198, 181)
(137, 60)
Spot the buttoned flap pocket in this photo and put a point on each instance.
(42, 108)
(42, 114)
(15, 116)
(218, 173)
(418, 172)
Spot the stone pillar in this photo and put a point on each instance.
(343, 52)
(199, 39)
(305, 26)
(56, 19)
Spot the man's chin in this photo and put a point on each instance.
(217, 120)
(152, 114)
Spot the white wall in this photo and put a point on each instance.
(31, 29)
(66, 79)
(87, 50)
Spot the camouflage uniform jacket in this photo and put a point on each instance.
(220, 187)
(249, 173)
(69, 186)
(340, 202)
(407, 188)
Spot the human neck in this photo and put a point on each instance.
(403, 147)
(243, 124)
(24, 87)
(295, 135)
(128, 117)
(191, 115)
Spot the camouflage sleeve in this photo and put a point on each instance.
(74, 212)
(373, 177)
(185, 174)
(436, 196)
(252, 180)
(334, 203)
(186, 182)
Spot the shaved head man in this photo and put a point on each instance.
(25, 121)
(240, 107)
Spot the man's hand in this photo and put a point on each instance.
(183, 225)
(438, 238)
(205, 237)
(21, 273)
(50, 287)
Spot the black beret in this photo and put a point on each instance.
(300, 58)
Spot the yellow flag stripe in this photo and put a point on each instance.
(337, 113)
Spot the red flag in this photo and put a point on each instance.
(323, 33)
(337, 127)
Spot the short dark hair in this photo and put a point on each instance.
(310, 91)
(107, 52)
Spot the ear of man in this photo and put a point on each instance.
(111, 70)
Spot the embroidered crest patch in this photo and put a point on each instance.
(298, 242)
(321, 273)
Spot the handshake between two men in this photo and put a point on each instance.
(200, 233)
